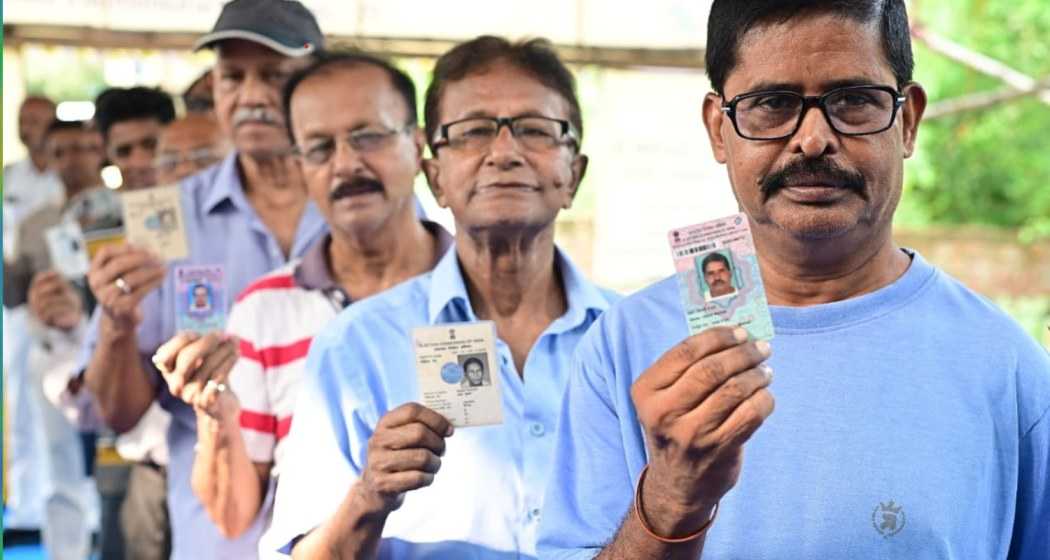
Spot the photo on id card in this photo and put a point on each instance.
(458, 372)
(200, 299)
(719, 277)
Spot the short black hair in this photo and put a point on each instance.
(714, 257)
(730, 20)
(323, 60)
(116, 105)
(59, 126)
(534, 56)
(473, 360)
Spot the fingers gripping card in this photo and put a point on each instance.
(458, 375)
(719, 278)
(200, 299)
(153, 220)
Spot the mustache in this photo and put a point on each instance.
(813, 171)
(354, 187)
(262, 115)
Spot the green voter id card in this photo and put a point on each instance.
(719, 278)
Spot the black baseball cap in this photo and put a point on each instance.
(285, 26)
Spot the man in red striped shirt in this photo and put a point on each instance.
(352, 118)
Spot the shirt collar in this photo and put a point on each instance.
(312, 272)
(226, 186)
(448, 289)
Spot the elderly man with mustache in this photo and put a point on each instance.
(912, 417)
(353, 119)
(250, 215)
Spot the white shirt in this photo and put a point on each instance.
(26, 190)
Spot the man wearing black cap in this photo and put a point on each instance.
(249, 215)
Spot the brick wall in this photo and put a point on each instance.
(989, 261)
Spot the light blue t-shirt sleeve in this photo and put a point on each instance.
(319, 466)
(1031, 538)
(590, 488)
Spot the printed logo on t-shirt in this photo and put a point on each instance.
(888, 519)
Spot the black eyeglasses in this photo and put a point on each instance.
(476, 134)
(850, 110)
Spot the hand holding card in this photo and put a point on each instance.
(120, 277)
(53, 301)
(404, 454)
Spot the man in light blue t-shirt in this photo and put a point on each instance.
(912, 417)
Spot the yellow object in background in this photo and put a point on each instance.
(99, 239)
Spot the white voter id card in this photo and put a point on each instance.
(67, 250)
(459, 372)
(153, 220)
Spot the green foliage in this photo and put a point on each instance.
(64, 74)
(1032, 313)
(990, 166)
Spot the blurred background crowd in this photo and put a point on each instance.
(976, 199)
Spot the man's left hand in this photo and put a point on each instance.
(54, 302)
(189, 361)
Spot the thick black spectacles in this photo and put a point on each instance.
(476, 134)
(850, 110)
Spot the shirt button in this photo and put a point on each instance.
(537, 429)
(534, 514)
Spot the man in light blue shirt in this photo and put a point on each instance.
(372, 474)
(250, 214)
(912, 417)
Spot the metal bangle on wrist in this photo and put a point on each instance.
(645, 524)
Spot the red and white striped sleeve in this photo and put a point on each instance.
(248, 379)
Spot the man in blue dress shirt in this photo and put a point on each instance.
(372, 474)
(250, 214)
(912, 417)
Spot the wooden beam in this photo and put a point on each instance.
(18, 34)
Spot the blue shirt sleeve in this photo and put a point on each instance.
(87, 350)
(1031, 537)
(320, 466)
(1031, 540)
(591, 485)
